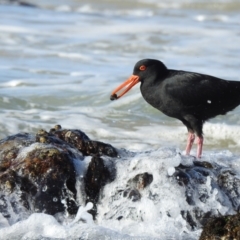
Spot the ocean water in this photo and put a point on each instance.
(60, 60)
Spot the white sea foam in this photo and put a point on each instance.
(74, 56)
(15, 29)
(113, 12)
(63, 8)
(202, 18)
(12, 83)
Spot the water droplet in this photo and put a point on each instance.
(44, 189)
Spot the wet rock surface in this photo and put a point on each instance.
(37, 173)
(136, 184)
(222, 228)
(97, 175)
(81, 141)
(197, 179)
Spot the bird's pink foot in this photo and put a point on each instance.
(190, 141)
(199, 146)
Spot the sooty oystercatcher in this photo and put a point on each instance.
(190, 97)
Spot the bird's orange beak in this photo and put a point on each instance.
(128, 84)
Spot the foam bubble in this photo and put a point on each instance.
(12, 83)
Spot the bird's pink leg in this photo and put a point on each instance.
(199, 147)
(190, 141)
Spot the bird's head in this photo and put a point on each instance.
(144, 70)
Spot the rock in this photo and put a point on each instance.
(135, 185)
(197, 179)
(132, 194)
(140, 181)
(229, 183)
(37, 173)
(40, 175)
(203, 164)
(222, 228)
(81, 141)
(96, 177)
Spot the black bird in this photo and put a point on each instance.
(190, 97)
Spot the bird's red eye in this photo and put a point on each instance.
(142, 67)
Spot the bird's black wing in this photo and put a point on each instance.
(202, 92)
(194, 89)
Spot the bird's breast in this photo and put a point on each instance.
(152, 95)
(157, 97)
